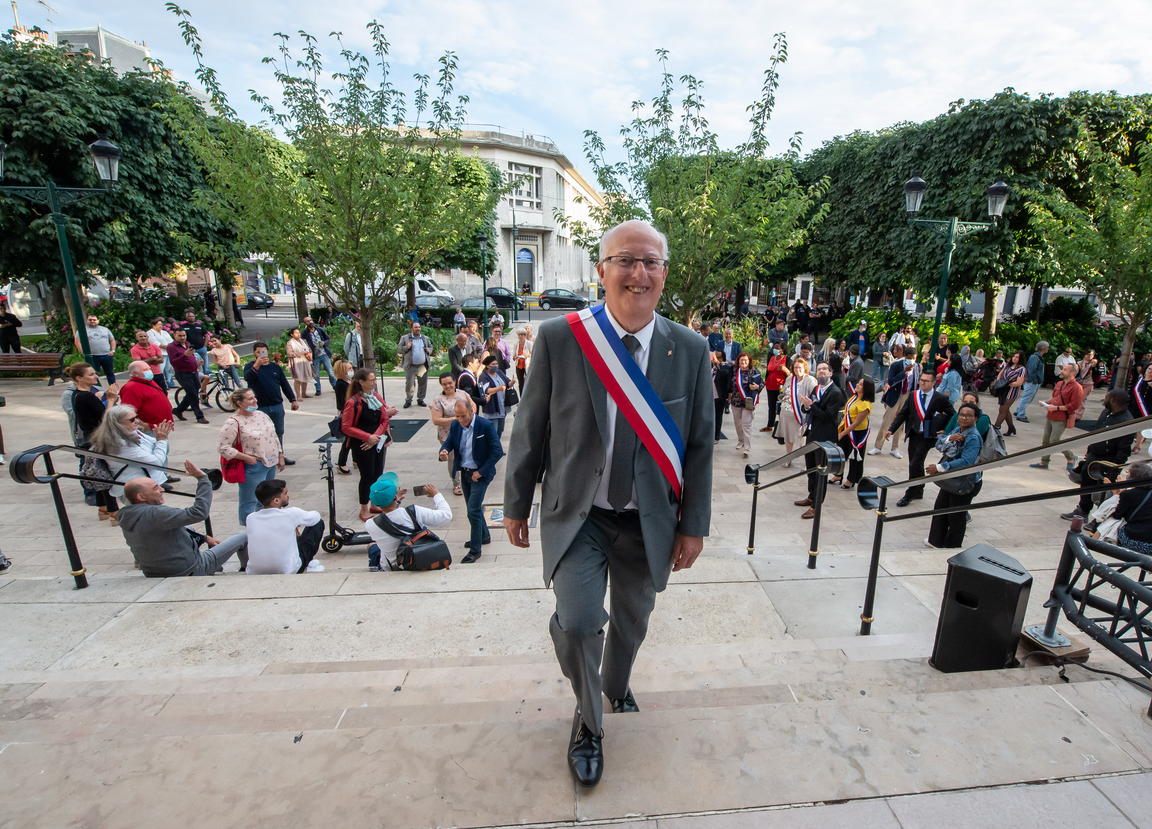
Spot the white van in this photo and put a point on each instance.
(426, 286)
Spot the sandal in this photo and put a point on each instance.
(103, 514)
(847, 486)
(112, 520)
(343, 470)
(457, 490)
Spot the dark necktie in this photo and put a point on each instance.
(623, 449)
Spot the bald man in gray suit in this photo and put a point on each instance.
(608, 513)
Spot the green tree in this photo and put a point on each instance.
(365, 192)
(51, 107)
(1106, 245)
(727, 213)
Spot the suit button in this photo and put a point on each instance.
(583, 515)
(599, 471)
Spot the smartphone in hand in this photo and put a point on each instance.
(418, 490)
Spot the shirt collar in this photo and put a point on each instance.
(644, 335)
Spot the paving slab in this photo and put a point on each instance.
(832, 607)
(129, 587)
(873, 814)
(36, 636)
(1131, 794)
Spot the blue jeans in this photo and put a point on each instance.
(276, 413)
(253, 474)
(1026, 395)
(203, 353)
(879, 373)
(498, 422)
(231, 371)
(103, 363)
(474, 497)
(169, 374)
(323, 360)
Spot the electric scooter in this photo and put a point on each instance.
(338, 536)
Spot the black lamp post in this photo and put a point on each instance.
(106, 158)
(953, 230)
(482, 239)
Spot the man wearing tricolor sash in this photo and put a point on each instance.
(617, 414)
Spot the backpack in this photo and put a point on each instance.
(420, 548)
(993, 448)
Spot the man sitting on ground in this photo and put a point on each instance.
(385, 495)
(160, 537)
(282, 539)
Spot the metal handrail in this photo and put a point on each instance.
(22, 469)
(872, 494)
(829, 461)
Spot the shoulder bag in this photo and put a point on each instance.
(233, 468)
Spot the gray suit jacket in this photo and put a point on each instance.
(561, 429)
(405, 353)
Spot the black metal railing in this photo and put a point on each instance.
(829, 459)
(872, 494)
(22, 469)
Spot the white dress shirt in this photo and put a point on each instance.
(272, 539)
(644, 336)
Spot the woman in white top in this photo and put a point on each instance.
(118, 435)
(798, 383)
(158, 336)
(521, 356)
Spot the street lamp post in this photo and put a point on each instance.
(483, 240)
(952, 230)
(106, 156)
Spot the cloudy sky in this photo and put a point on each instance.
(558, 69)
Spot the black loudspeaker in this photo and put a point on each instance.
(985, 597)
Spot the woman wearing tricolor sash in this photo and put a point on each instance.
(799, 384)
(853, 432)
(743, 394)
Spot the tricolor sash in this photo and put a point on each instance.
(856, 446)
(1138, 394)
(794, 396)
(630, 391)
(922, 411)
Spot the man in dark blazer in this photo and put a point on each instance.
(824, 421)
(921, 433)
(456, 355)
(477, 449)
(606, 514)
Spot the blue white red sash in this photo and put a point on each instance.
(856, 445)
(918, 402)
(794, 396)
(1140, 397)
(630, 391)
(740, 386)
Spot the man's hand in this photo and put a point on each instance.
(295, 405)
(931, 469)
(517, 529)
(193, 470)
(443, 455)
(212, 542)
(476, 476)
(685, 551)
(431, 491)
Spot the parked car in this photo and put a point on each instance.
(258, 299)
(504, 298)
(475, 304)
(434, 302)
(561, 298)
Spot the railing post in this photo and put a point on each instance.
(866, 618)
(817, 508)
(78, 569)
(1047, 635)
(752, 523)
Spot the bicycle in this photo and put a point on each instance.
(220, 385)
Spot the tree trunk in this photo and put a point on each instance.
(181, 284)
(65, 301)
(301, 286)
(369, 347)
(226, 290)
(1126, 348)
(741, 293)
(988, 327)
(1034, 308)
(410, 290)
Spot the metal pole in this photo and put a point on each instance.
(1047, 634)
(752, 523)
(866, 618)
(817, 508)
(484, 277)
(78, 569)
(942, 297)
(61, 222)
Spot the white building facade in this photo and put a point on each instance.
(541, 253)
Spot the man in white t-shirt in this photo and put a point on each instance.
(282, 539)
(387, 495)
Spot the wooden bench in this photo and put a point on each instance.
(33, 361)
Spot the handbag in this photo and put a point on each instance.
(420, 548)
(336, 426)
(99, 476)
(511, 398)
(233, 468)
(957, 486)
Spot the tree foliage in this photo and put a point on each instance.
(51, 106)
(368, 189)
(726, 213)
(1106, 244)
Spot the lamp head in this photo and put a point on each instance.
(482, 239)
(997, 198)
(914, 194)
(106, 157)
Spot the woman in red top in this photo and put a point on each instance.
(774, 377)
(364, 421)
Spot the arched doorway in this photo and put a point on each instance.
(525, 269)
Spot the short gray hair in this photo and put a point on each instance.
(608, 234)
(521, 330)
(1140, 471)
(1041, 344)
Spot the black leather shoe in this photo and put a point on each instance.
(585, 754)
(471, 557)
(289, 463)
(626, 705)
(905, 501)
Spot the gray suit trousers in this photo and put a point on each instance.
(607, 548)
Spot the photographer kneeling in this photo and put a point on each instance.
(389, 498)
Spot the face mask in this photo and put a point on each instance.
(148, 375)
(349, 375)
(251, 408)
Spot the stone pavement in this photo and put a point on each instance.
(432, 699)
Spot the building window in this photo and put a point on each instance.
(526, 192)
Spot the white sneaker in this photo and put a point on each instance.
(1, 460)
(873, 451)
(314, 567)
(896, 453)
(928, 543)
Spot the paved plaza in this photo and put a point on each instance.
(433, 699)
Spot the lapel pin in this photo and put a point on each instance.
(669, 353)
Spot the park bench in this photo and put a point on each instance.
(33, 361)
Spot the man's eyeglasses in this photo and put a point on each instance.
(627, 263)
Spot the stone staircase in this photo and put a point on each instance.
(479, 740)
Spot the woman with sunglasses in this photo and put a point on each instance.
(119, 435)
